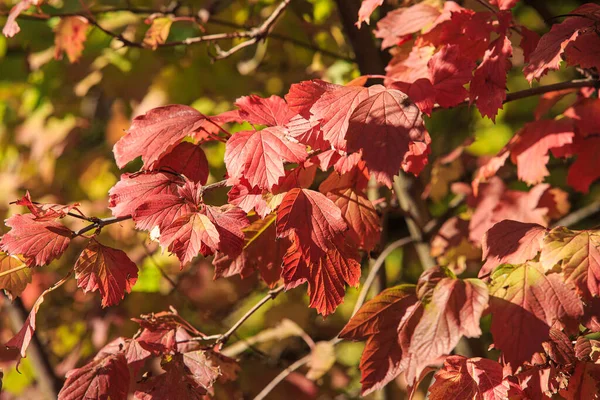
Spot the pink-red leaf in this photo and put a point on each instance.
(258, 156)
(107, 270)
(187, 159)
(104, 378)
(39, 242)
(156, 133)
(366, 9)
(404, 21)
(272, 111)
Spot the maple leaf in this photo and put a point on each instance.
(158, 32)
(309, 133)
(205, 231)
(383, 126)
(585, 115)
(529, 42)
(583, 171)
(262, 252)
(525, 303)
(187, 159)
(272, 111)
(156, 133)
(258, 156)
(578, 255)
(313, 218)
(410, 66)
(103, 378)
(15, 282)
(161, 210)
(584, 383)
(301, 96)
(404, 21)
(39, 242)
(249, 199)
(579, 27)
(449, 71)
(359, 214)
(452, 308)
(133, 190)
(488, 87)
(386, 322)
(469, 379)
(45, 211)
(107, 270)
(511, 242)
(334, 109)
(327, 275)
(366, 9)
(70, 34)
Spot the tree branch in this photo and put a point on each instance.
(579, 215)
(573, 84)
(282, 375)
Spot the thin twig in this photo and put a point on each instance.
(100, 223)
(579, 215)
(282, 375)
(362, 296)
(576, 83)
(270, 296)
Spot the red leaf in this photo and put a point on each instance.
(584, 170)
(70, 34)
(504, 4)
(249, 199)
(156, 133)
(103, 378)
(525, 303)
(586, 115)
(272, 111)
(469, 379)
(135, 189)
(366, 9)
(386, 322)
(315, 219)
(39, 242)
(334, 109)
(45, 211)
(360, 216)
(584, 383)
(303, 95)
(511, 242)
(308, 132)
(449, 71)
(454, 310)
(107, 270)
(205, 232)
(547, 54)
(161, 210)
(488, 87)
(383, 126)
(327, 276)
(421, 92)
(262, 252)
(187, 159)
(584, 51)
(529, 42)
(258, 156)
(404, 21)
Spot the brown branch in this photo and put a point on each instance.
(100, 223)
(282, 375)
(579, 215)
(573, 84)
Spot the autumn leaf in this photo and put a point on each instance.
(313, 218)
(488, 87)
(158, 32)
(45, 211)
(386, 322)
(272, 111)
(577, 253)
(301, 96)
(261, 252)
(383, 126)
(11, 28)
(504, 4)
(39, 242)
(70, 34)
(366, 9)
(469, 379)
(106, 377)
(187, 159)
(525, 303)
(258, 156)
(511, 242)
(404, 21)
(107, 270)
(576, 29)
(584, 383)
(583, 172)
(156, 133)
(13, 283)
